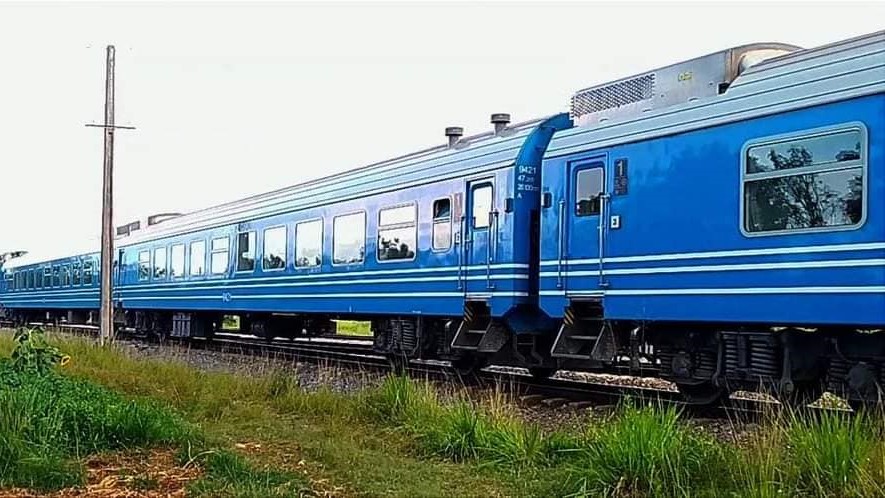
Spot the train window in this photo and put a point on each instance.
(30, 279)
(47, 278)
(144, 265)
(482, 205)
(274, 249)
(160, 263)
(246, 251)
(65, 275)
(810, 182)
(87, 272)
(589, 185)
(349, 239)
(38, 278)
(75, 273)
(198, 257)
(176, 260)
(442, 224)
(220, 255)
(10, 286)
(56, 281)
(397, 233)
(309, 243)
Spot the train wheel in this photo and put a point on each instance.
(705, 393)
(467, 367)
(542, 372)
(802, 395)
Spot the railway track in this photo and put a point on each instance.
(531, 391)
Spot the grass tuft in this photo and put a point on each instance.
(228, 474)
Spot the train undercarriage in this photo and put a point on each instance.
(707, 362)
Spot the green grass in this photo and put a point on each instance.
(229, 474)
(48, 420)
(407, 438)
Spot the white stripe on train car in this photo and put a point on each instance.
(836, 263)
(871, 246)
(861, 289)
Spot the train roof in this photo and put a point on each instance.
(474, 154)
(801, 78)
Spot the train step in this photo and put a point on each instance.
(578, 343)
(488, 340)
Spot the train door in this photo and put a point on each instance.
(584, 216)
(479, 235)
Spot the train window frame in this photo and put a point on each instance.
(821, 168)
(88, 265)
(488, 218)
(75, 274)
(38, 278)
(588, 167)
(65, 275)
(30, 279)
(47, 278)
(252, 237)
(56, 277)
(285, 231)
(397, 226)
(335, 219)
(173, 274)
(217, 252)
(10, 282)
(322, 225)
(434, 220)
(155, 274)
(201, 260)
(145, 266)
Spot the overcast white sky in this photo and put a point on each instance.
(236, 99)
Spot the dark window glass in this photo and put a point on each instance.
(144, 265)
(198, 258)
(274, 248)
(220, 254)
(821, 150)
(589, 185)
(38, 278)
(246, 251)
(349, 239)
(397, 233)
(75, 269)
(10, 282)
(482, 206)
(828, 190)
(827, 199)
(176, 260)
(30, 279)
(442, 224)
(65, 276)
(47, 278)
(56, 281)
(87, 273)
(160, 263)
(309, 243)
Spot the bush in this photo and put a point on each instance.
(47, 420)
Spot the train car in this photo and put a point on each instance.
(726, 220)
(408, 243)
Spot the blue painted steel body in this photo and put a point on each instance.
(678, 252)
(490, 264)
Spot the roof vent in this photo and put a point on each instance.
(454, 133)
(500, 120)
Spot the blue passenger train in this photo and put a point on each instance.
(708, 222)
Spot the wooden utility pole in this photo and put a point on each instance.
(106, 334)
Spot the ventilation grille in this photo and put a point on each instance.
(613, 95)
